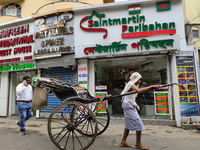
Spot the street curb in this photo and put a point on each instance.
(116, 120)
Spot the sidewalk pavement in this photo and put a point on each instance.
(157, 137)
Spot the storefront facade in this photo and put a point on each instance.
(113, 41)
(16, 60)
(54, 51)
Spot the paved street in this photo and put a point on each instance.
(156, 137)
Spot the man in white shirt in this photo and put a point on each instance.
(24, 93)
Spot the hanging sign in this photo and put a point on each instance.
(101, 87)
(161, 99)
(83, 73)
(99, 107)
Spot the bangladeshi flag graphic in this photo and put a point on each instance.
(163, 6)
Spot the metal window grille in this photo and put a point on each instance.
(195, 33)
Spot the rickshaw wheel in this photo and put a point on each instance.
(69, 124)
(102, 116)
(100, 112)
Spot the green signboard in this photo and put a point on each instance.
(17, 67)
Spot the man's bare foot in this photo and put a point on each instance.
(141, 147)
(125, 145)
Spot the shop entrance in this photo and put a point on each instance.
(62, 74)
(116, 72)
(17, 78)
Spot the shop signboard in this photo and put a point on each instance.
(127, 30)
(187, 84)
(161, 99)
(54, 35)
(117, 47)
(101, 87)
(99, 106)
(18, 67)
(83, 73)
(16, 45)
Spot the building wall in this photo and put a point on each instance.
(30, 7)
(4, 93)
(192, 21)
(114, 34)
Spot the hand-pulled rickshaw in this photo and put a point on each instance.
(75, 123)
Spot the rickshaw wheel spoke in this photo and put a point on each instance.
(102, 121)
(71, 129)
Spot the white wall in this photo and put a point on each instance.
(4, 93)
(12, 106)
(91, 87)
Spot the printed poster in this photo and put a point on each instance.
(187, 84)
(99, 107)
(161, 102)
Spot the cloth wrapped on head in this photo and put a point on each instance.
(133, 79)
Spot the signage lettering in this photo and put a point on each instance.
(23, 66)
(5, 52)
(14, 31)
(147, 44)
(54, 32)
(17, 67)
(115, 46)
(162, 109)
(28, 57)
(52, 42)
(82, 75)
(141, 29)
(116, 21)
(23, 49)
(101, 87)
(16, 41)
(144, 27)
(53, 50)
(82, 69)
(82, 82)
(161, 100)
(162, 112)
(10, 60)
(163, 106)
(5, 68)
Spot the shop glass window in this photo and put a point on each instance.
(11, 10)
(195, 33)
(115, 74)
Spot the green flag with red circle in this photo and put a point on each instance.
(163, 6)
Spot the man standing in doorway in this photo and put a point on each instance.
(24, 93)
